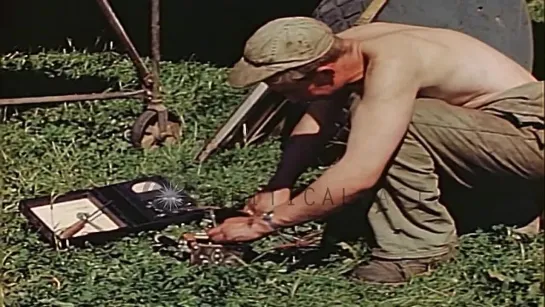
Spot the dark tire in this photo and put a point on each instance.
(339, 14)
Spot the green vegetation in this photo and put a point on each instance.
(536, 9)
(79, 145)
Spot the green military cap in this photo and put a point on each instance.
(280, 45)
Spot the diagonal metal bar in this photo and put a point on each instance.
(114, 22)
(69, 98)
(241, 112)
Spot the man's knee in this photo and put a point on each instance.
(412, 171)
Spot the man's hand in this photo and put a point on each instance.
(265, 201)
(240, 229)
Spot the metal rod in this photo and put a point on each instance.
(232, 123)
(155, 58)
(155, 47)
(143, 72)
(69, 98)
(263, 122)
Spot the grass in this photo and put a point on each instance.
(71, 146)
(536, 9)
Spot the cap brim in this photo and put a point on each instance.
(244, 74)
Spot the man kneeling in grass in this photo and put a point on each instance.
(428, 100)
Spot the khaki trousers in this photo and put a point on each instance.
(503, 140)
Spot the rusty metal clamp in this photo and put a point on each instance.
(203, 252)
(200, 250)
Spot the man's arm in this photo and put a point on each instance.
(379, 123)
(309, 135)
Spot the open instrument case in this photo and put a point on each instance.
(110, 212)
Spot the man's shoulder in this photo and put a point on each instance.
(378, 28)
(385, 31)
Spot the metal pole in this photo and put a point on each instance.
(156, 102)
(155, 48)
(143, 72)
(69, 98)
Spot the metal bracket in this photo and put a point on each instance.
(203, 252)
(369, 14)
(200, 250)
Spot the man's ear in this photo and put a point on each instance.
(324, 76)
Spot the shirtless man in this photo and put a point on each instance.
(429, 99)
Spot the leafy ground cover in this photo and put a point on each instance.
(536, 9)
(71, 146)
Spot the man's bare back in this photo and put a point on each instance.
(452, 66)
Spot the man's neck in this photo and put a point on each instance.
(353, 63)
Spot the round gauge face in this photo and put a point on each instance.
(146, 186)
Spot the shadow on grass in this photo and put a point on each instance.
(39, 83)
(480, 208)
(488, 204)
(42, 83)
(539, 50)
